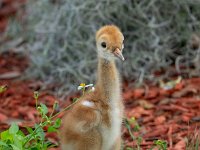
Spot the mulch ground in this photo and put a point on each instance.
(172, 115)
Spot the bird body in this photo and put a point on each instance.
(94, 122)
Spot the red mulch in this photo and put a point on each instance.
(166, 115)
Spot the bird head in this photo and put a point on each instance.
(109, 40)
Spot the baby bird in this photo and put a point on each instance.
(94, 122)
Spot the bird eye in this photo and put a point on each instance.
(103, 44)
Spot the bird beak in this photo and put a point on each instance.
(118, 53)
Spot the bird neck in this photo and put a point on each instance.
(108, 78)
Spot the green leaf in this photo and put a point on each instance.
(3, 88)
(18, 141)
(5, 135)
(40, 132)
(57, 123)
(14, 128)
(15, 147)
(136, 127)
(75, 99)
(162, 144)
(51, 129)
(132, 120)
(44, 109)
(139, 140)
(30, 130)
(3, 144)
(20, 133)
(55, 105)
(129, 148)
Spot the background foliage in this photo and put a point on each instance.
(60, 36)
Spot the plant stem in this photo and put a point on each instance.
(129, 129)
(32, 134)
(83, 91)
(68, 107)
(36, 103)
(52, 112)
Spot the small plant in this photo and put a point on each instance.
(133, 126)
(128, 124)
(15, 139)
(160, 144)
(3, 88)
(193, 141)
